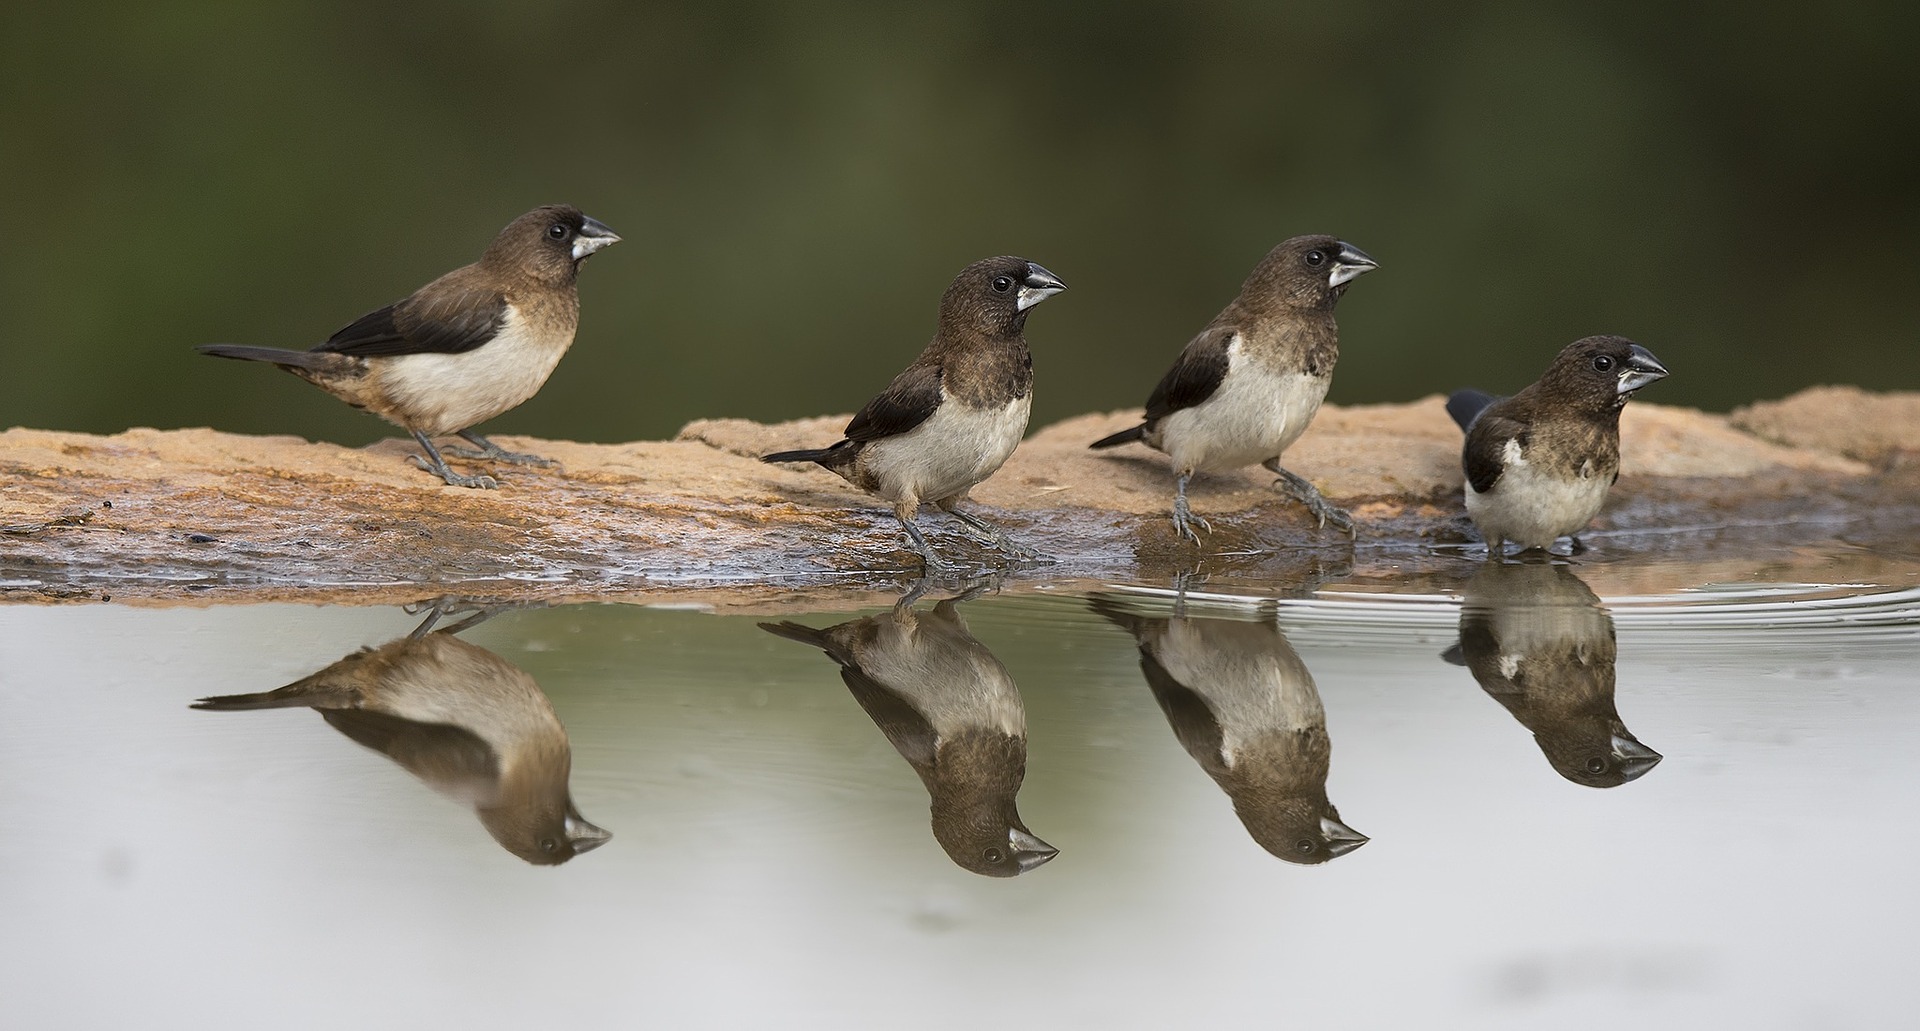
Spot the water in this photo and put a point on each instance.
(774, 862)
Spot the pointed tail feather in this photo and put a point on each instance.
(281, 699)
(1123, 437)
(1466, 405)
(275, 355)
(808, 455)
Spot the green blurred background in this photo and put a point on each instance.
(797, 183)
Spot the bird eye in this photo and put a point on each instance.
(994, 855)
(1305, 845)
(1316, 258)
(1596, 765)
(548, 844)
(557, 231)
(1602, 362)
(1001, 284)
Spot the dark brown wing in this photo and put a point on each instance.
(907, 402)
(447, 316)
(1195, 375)
(1484, 456)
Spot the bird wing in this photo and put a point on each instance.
(910, 732)
(442, 318)
(907, 402)
(1485, 453)
(1195, 375)
(1193, 722)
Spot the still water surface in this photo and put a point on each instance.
(1461, 809)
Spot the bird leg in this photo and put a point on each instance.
(931, 562)
(1183, 516)
(986, 531)
(437, 465)
(1578, 548)
(1309, 495)
(484, 448)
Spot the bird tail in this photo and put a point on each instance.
(1466, 405)
(1123, 437)
(818, 454)
(319, 691)
(821, 639)
(283, 358)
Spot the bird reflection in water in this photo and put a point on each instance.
(1537, 639)
(952, 711)
(467, 722)
(1244, 706)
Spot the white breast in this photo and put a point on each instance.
(1255, 415)
(1533, 508)
(954, 449)
(444, 393)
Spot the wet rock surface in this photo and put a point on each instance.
(200, 515)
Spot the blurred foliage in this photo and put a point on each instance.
(1733, 186)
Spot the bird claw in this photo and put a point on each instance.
(1322, 510)
(500, 454)
(1183, 520)
(455, 479)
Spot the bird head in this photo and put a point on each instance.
(991, 297)
(548, 243)
(1601, 372)
(1308, 271)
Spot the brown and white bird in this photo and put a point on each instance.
(1537, 640)
(1539, 463)
(469, 723)
(954, 416)
(1245, 708)
(1245, 389)
(464, 348)
(950, 709)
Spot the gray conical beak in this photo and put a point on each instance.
(1635, 758)
(1350, 264)
(1029, 851)
(1641, 369)
(1037, 286)
(594, 235)
(1341, 839)
(584, 836)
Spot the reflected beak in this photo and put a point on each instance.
(594, 235)
(1038, 285)
(1341, 839)
(1350, 264)
(1029, 851)
(1641, 369)
(1635, 758)
(584, 836)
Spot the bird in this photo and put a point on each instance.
(1537, 640)
(469, 723)
(1245, 708)
(953, 416)
(1539, 463)
(464, 348)
(1246, 387)
(949, 707)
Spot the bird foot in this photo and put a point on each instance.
(455, 479)
(1322, 510)
(1183, 520)
(499, 454)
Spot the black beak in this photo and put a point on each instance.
(1037, 286)
(1641, 369)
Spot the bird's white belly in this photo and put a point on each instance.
(954, 449)
(444, 393)
(1254, 416)
(1533, 509)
